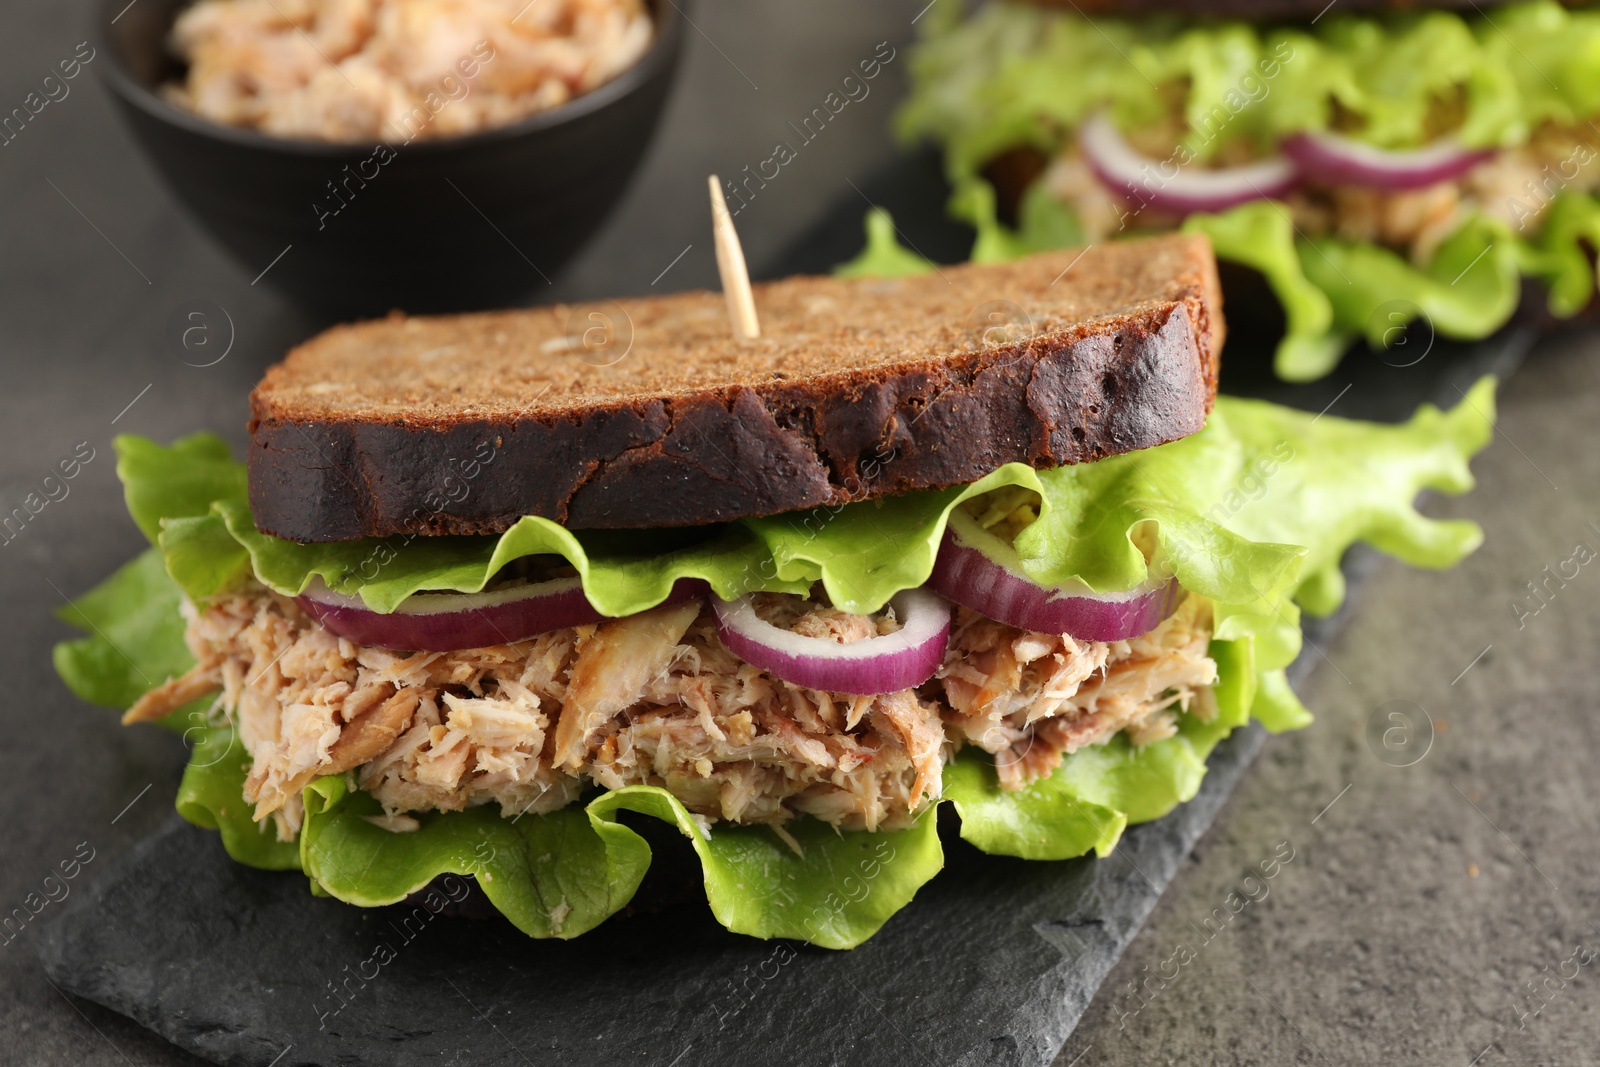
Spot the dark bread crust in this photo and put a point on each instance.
(1285, 12)
(358, 435)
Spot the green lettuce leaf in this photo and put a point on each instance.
(836, 891)
(211, 796)
(1276, 475)
(1261, 236)
(212, 544)
(135, 642)
(974, 201)
(192, 474)
(1015, 74)
(1560, 255)
(863, 553)
(883, 256)
(1043, 222)
(1540, 62)
(559, 874)
(1469, 290)
(1276, 707)
(135, 635)
(1333, 290)
(1048, 820)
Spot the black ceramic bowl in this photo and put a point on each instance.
(470, 221)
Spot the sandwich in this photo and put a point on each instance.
(986, 537)
(1371, 164)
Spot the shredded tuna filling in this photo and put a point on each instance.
(1031, 698)
(656, 699)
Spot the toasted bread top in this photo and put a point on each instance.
(602, 408)
(533, 363)
(1269, 11)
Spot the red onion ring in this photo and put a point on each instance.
(1329, 159)
(446, 622)
(1124, 171)
(980, 571)
(901, 660)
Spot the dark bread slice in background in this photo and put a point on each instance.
(857, 388)
(1285, 12)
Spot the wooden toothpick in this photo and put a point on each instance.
(730, 264)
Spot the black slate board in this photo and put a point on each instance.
(993, 963)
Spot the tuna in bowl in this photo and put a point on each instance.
(362, 70)
(427, 180)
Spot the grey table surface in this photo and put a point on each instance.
(1429, 911)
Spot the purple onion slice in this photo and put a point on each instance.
(1170, 186)
(980, 571)
(887, 664)
(1329, 159)
(446, 622)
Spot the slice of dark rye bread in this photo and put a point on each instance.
(857, 388)
(1287, 12)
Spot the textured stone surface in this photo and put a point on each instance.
(1376, 942)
